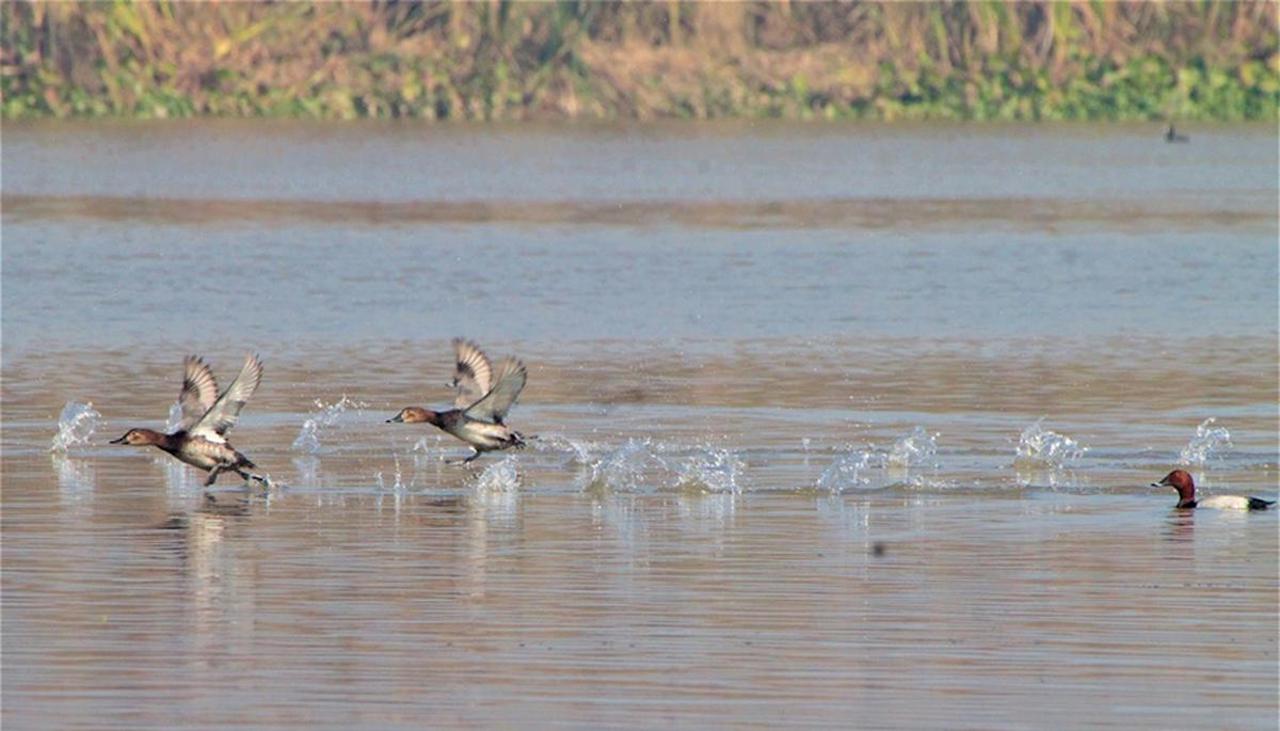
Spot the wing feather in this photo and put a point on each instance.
(199, 391)
(472, 373)
(224, 413)
(495, 405)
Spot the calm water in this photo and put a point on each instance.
(837, 425)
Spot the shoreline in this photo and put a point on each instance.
(501, 61)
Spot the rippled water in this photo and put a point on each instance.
(835, 426)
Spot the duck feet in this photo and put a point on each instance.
(249, 477)
(213, 475)
(474, 455)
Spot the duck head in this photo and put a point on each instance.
(1181, 481)
(140, 438)
(415, 415)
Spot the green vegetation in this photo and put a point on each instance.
(498, 59)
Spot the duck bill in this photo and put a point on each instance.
(117, 441)
(397, 419)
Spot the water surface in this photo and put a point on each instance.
(835, 425)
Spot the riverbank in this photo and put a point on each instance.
(501, 61)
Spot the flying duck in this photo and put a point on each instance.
(481, 401)
(200, 438)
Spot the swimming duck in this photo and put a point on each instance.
(1181, 481)
(200, 439)
(1171, 135)
(480, 404)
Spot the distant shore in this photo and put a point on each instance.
(501, 60)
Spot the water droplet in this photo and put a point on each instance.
(1042, 447)
(326, 416)
(1210, 442)
(76, 425)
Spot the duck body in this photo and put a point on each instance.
(1181, 481)
(481, 402)
(205, 454)
(483, 436)
(200, 439)
(1231, 502)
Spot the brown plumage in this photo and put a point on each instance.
(200, 438)
(481, 402)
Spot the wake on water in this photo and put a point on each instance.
(647, 465)
(909, 460)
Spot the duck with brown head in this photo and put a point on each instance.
(415, 415)
(200, 439)
(1181, 481)
(480, 404)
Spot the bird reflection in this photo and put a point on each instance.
(1180, 525)
(76, 480)
(218, 573)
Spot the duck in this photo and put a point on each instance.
(200, 438)
(481, 401)
(1181, 481)
(1171, 135)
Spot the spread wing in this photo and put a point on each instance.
(472, 374)
(226, 410)
(495, 405)
(199, 391)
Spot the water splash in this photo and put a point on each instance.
(575, 451)
(571, 451)
(76, 477)
(398, 485)
(421, 453)
(1028, 474)
(580, 453)
(178, 477)
(626, 467)
(711, 470)
(705, 511)
(874, 468)
(847, 472)
(326, 416)
(500, 476)
(308, 469)
(1038, 446)
(76, 425)
(916, 449)
(1210, 442)
(175, 418)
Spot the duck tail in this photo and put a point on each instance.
(1257, 503)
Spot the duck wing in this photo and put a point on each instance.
(224, 413)
(472, 373)
(199, 391)
(495, 404)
